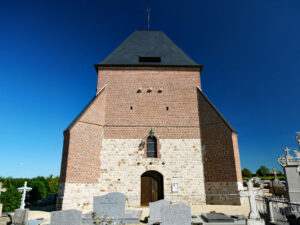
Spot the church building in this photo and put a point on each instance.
(150, 133)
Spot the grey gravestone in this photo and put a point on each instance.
(66, 217)
(110, 205)
(154, 210)
(20, 217)
(133, 213)
(291, 166)
(217, 218)
(179, 214)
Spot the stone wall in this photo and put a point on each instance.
(181, 162)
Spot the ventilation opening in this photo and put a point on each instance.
(131, 108)
(167, 108)
(149, 59)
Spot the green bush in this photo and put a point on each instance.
(11, 199)
(39, 190)
(246, 173)
(53, 183)
(263, 171)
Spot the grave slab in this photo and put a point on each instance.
(216, 218)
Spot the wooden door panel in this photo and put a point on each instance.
(154, 189)
(150, 190)
(146, 191)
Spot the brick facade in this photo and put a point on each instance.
(198, 148)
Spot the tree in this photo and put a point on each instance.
(53, 183)
(39, 190)
(263, 171)
(246, 173)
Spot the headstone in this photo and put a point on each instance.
(278, 188)
(254, 217)
(257, 182)
(154, 210)
(20, 217)
(66, 217)
(217, 218)
(291, 167)
(110, 205)
(24, 190)
(1, 190)
(179, 214)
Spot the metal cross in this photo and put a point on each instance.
(24, 190)
(2, 189)
(148, 11)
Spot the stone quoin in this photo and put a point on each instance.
(149, 126)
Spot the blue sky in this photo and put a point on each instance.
(250, 51)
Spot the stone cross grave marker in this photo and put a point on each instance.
(1, 190)
(24, 190)
(154, 210)
(110, 205)
(66, 217)
(252, 194)
(179, 214)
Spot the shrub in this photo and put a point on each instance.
(53, 183)
(11, 199)
(39, 190)
(263, 171)
(246, 173)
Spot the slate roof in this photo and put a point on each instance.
(145, 43)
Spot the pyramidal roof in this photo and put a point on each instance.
(147, 47)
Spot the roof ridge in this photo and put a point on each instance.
(217, 111)
(77, 118)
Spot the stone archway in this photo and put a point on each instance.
(152, 187)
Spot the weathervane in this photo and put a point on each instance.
(148, 11)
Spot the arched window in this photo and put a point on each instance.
(151, 147)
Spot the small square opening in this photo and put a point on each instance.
(149, 59)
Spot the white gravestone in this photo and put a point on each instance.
(1, 190)
(24, 190)
(254, 217)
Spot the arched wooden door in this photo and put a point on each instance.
(151, 187)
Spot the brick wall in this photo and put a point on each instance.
(121, 112)
(221, 155)
(82, 145)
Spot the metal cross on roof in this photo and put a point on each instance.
(148, 19)
(24, 190)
